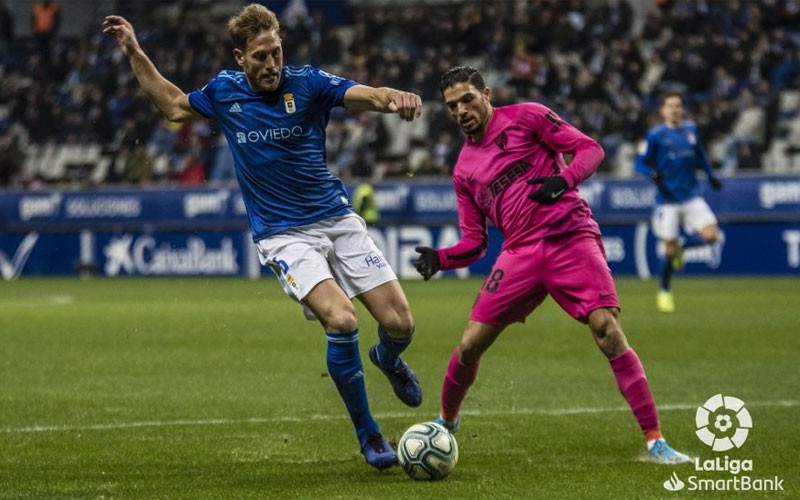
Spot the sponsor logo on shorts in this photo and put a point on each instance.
(375, 260)
(291, 281)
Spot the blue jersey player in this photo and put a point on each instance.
(672, 153)
(274, 117)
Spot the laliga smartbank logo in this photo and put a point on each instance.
(723, 423)
(674, 483)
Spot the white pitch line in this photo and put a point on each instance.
(266, 420)
(49, 300)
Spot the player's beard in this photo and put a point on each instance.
(475, 122)
(471, 126)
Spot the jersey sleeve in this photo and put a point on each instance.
(203, 100)
(646, 156)
(474, 235)
(330, 88)
(563, 137)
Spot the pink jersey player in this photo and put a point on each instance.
(551, 246)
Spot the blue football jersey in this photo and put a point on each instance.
(675, 153)
(278, 144)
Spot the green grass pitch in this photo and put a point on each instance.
(217, 389)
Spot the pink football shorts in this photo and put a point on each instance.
(571, 268)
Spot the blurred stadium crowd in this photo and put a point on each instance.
(71, 112)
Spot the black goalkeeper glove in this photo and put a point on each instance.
(551, 190)
(716, 184)
(427, 264)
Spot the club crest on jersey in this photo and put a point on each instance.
(691, 138)
(288, 103)
(500, 141)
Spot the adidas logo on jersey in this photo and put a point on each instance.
(235, 108)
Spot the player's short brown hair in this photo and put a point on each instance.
(249, 22)
(670, 93)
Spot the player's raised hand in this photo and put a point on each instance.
(427, 264)
(122, 31)
(406, 104)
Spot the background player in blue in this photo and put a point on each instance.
(672, 153)
(274, 117)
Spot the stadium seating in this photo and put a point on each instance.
(601, 65)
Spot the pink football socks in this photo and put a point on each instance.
(632, 383)
(457, 381)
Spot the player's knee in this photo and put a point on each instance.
(671, 248)
(396, 320)
(605, 326)
(469, 352)
(339, 319)
(400, 325)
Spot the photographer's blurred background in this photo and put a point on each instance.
(71, 113)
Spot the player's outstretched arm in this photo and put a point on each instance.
(168, 98)
(385, 100)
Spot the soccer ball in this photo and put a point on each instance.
(427, 451)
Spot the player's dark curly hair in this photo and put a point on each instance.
(461, 74)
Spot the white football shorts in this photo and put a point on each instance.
(695, 214)
(339, 248)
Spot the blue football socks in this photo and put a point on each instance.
(666, 274)
(389, 349)
(345, 368)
